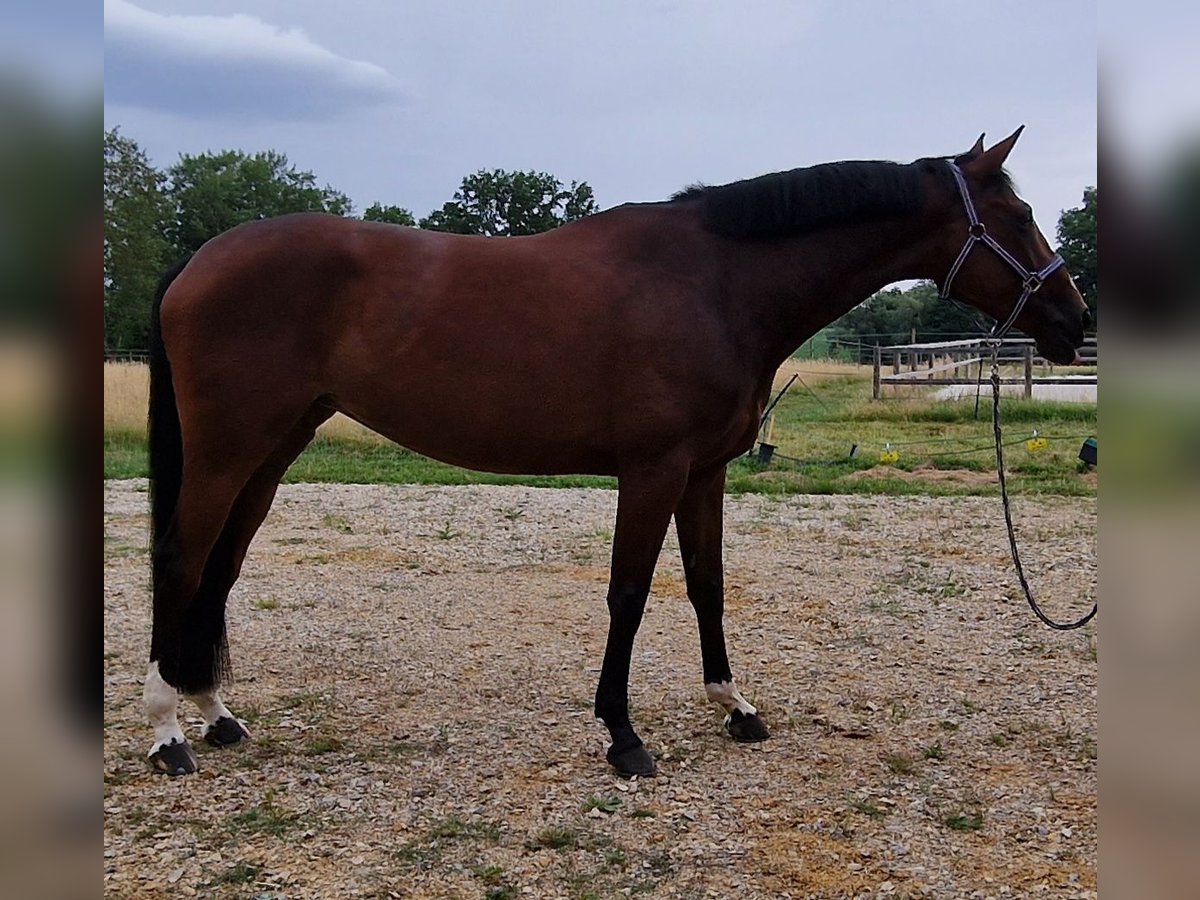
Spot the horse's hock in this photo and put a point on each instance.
(420, 665)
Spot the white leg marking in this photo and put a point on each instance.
(212, 709)
(726, 694)
(161, 701)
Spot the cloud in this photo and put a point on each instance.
(235, 66)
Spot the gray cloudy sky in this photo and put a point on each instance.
(395, 102)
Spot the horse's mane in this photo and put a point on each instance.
(790, 203)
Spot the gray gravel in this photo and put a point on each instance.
(416, 665)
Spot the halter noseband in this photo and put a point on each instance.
(976, 234)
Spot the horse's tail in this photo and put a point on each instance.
(166, 439)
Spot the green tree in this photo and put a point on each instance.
(1077, 244)
(136, 213)
(213, 192)
(890, 317)
(498, 203)
(394, 215)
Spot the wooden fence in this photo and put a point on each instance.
(950, 363)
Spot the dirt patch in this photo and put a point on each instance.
(421, 706)
(924, 473)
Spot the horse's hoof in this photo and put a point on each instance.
(174, 759)
(225, 731)
(634, 761)
(747, 728)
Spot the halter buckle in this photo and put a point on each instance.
(977, 230)
(1033, 282)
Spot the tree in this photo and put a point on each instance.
(890, 317)
(1077, 244)
(213, 192)
(498, 203)
(394, 215)
(136, 213)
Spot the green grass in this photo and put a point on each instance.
(815, 428)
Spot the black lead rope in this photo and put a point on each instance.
(1012, 538)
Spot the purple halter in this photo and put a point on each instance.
(976, 234)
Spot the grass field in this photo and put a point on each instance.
(939, 447)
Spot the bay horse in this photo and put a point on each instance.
(640, 342)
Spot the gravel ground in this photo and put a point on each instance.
(417, 666)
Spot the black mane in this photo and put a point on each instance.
(802, 200)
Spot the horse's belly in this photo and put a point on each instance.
(488, 435)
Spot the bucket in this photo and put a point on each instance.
(765, 452)
(1088, 451)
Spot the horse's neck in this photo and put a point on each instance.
(796, 287)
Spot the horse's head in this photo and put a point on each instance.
(1001, 262)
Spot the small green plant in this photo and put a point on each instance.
(338, 523)
(604, 804)
(616, 859)
(501, 892)
(964, 821)
(266, 603)
(1000, 739)
(324, 743)
(1087, 748)
(447, 532)
(867, 808)
(489, 874)
(242, 873)
(935, 751)
(900, 763)
(265, 818)
(448, 828)
(556, 837)
(643, 813)
(853, 521)
(512, 513)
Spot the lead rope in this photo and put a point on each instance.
(1012, 537)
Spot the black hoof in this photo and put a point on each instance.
(174, 759)
(634, 761)
(225, 731)
(748, 729)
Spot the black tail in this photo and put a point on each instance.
(166, 441)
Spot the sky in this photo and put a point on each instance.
(396, 102)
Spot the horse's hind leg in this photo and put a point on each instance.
(192, 649)
(207, 610)
(698, 520)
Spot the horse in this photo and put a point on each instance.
(639, 342)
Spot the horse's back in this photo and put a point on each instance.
(542, 353)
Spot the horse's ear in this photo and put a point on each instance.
(989, 161)
(978, 148)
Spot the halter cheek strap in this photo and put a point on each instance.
(977, 234)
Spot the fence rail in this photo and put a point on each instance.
(926, 364)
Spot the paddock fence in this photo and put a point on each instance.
(944, 363)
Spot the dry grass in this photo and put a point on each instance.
(816, 370)
(127, 393)
(127, 387)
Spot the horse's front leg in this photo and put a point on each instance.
(644, 506)
(699, 522)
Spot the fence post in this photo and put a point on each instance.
(1028, 372)
(875, 378)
